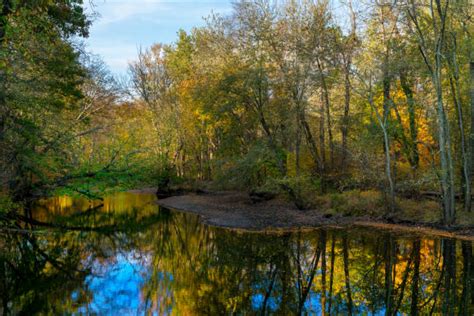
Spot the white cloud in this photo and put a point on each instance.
(113, 11)
(125, 25)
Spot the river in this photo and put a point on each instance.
(126, 256)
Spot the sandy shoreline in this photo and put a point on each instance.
(235, 210)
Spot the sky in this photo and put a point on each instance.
(123, 26)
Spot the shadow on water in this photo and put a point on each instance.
(127, 256)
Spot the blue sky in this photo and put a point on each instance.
(125, 25)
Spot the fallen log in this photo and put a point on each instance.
(428, 194)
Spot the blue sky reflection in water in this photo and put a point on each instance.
(138, 259)
(116, 286)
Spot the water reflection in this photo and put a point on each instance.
(130, 257)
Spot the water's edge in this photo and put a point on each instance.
(239, 216)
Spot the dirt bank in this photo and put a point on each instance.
(151, 190)
(235, 210)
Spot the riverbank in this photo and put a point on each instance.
(235, 210)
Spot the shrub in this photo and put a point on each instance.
(357, 203)
(6, 204)
(255, 169)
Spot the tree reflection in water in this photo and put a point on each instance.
(128, 256)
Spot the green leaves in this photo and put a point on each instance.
(40, 75)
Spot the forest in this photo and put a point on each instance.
(363, 107)
(288, 157)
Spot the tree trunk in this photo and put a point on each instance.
(313, 267)
(414, 154)
(7, 9)
(455, 92)
(347, 84)
(297, 149)
(388, 169)
(312, 144)
(331, 273)
(325, 103)
(345, 118)
(471, 133)
(435, 69)
(467, 283)
(384, 124)
(323, 272)
(345, 256)
(449, 267)
(447, 173)
(322, 136)
(403, 285)
(271, 140)
(389, 264)
(416, 278)
(466, 181)
(447, 177)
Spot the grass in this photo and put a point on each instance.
(371, 203)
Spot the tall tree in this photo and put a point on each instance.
(431, 47)
(40, 76)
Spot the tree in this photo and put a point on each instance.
(40, 76)
(435, 16)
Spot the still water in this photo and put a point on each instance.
(129, 257)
